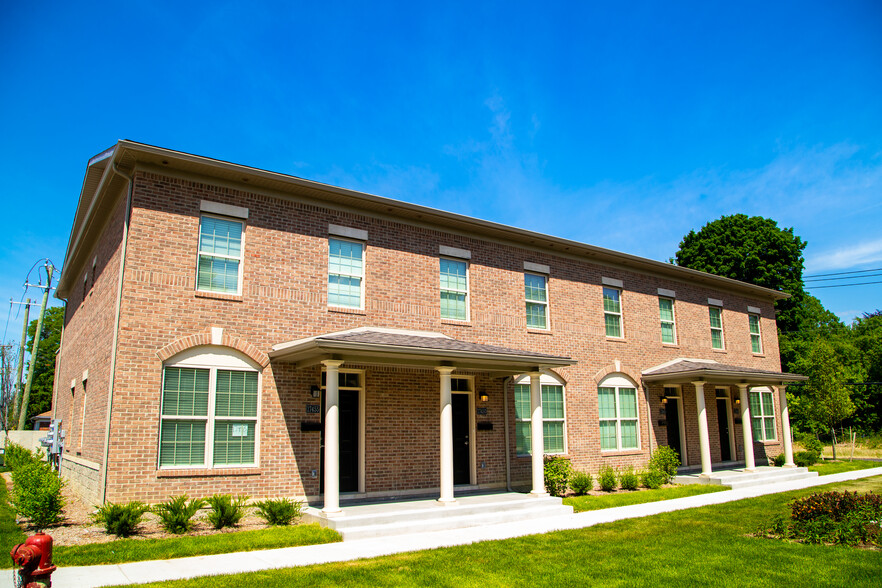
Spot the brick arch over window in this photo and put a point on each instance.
(196, 340)
(617, 367)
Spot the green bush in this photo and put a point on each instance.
(557, 475)
(606, 479)
(36, 493)
(280, 511)
(628, 480)
(805, 459)
(811, 443)
(778, 460)
(176, 513)
(845, 518)
(120, 519)
(15, 456)
(665, 459)
(582, 483)
(226, 511)
(653, 479)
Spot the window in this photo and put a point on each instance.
(536, 295)
(666, 314)
(552, 417)
(209, 414)
(345, 273)
(454, 289)
(617, 401)
(219, 268)
(716, 324)
(762, 414)
(612, 311)
(756, 340)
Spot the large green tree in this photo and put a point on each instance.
(828, 400)
(866, 334)
(44, 374)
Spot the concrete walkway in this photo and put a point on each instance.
(249, 561)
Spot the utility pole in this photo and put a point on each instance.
(21, 350)
(23, 413)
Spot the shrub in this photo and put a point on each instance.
(36, 493)
(16, 456)
(628, 480)
(653, 479)
(581, 483)
(778, 460)
(665, 460)
(805, 459)
(845, 518)
(811, 443)
(226, 511)
(176, 513)
(606, 478)
(557, 475)
(120, 519)
(281, 511)
(834, 505)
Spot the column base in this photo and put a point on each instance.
(789, 465)
(332, 514)
(705, 476)
(539, 494)
(749, 469)
(446, 501)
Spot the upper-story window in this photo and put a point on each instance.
(716, 326)
(756, 339)
(666, 316)
(536, 295)
(219, 268)
(617, 404)
(612, 311)
(345, 273)
(454, 289)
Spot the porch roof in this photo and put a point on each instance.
(416, 348)
(683, 370)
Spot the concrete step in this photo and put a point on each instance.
(738, 483)
(742, 479)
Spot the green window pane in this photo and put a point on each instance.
(755, 344)
(716, 339)
(754, 401)
(523, 405)
(768, 404)
(217, 274)
(754, 324)
(536, 315)
(668, 333)
(666, 309)
(534, 288)
(453, 305)
(182, 443)
(345, 258)
(233, 443)
(523, 438)
(453, 275)
(613, 325)
(769, 427)
(344, 291)
(221, 237)
(611, 302)
(552, 402)
(236, 394)
(607, 402)
(629, 434)
(553, 435)
(716, 318)
(185, 392)
(628, 400)
(608, 435)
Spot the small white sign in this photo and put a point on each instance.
(240, 431)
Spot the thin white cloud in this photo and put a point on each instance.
(850, 256)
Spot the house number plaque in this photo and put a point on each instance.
(313, 409)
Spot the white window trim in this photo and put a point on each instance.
(544, 380)
(468, 307)
(211, 359)
(241, 257)
(720, 328)
(527, 302)
(673, 320)
(617, 382)
(360, 277)
(619, 314)
(763, 415)
(758, 334)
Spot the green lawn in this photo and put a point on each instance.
(704, 546)
(10, 533)
(584, 503)
(836, 467)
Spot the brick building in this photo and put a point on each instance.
(230, 329)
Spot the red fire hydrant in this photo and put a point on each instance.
(35, 558)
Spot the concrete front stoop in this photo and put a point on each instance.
(740, 478)
(366, 521)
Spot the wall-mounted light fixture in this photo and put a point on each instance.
(483, 397)
(664, 399)
(315, 391)
(737, 400)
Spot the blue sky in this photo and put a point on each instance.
(623, 126)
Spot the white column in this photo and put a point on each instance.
(785, 428)
(446, 450)
(332, 438)
(703, 435)
(538, 438)
(746, 428)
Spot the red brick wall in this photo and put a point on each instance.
(284, 298)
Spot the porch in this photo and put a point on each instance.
(736, 475)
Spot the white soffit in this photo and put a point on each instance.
(612, 282)
(536, 267)
(667, 293)
(347, 232)
(223, 209)
(454, 252)
(714, 302)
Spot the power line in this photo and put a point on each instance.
(844, 273)
(842, 278)
(843, 285)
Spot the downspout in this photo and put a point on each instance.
(505, 382)
(119, 289)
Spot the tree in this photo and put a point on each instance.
(867, 338)
(7, 383)
(827, 396)
(44, 376)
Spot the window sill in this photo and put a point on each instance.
(344, 310)
(219, 296)
(620, 452)
(759, 354)
(456, 322)
(534, 331)
(671, 345)
(208, 472)
(719, 351)
(616, 339)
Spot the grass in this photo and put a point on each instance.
(10, 533)
(586, 503)
(704, 546)
(836, 467)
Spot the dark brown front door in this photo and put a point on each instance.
(462, 456)
(348, 411)
(672, 416)
(723, 418)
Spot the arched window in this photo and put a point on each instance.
(210, 398)
(617, 405)
(553, 415)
